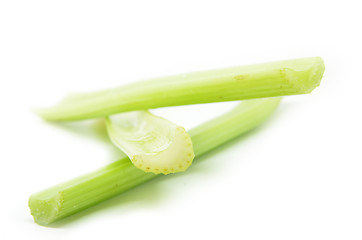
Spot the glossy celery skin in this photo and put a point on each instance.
(83, 192)
(281, 78)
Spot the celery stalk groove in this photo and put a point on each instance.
(290, 77)
(83, 192)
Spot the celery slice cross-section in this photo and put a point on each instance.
(153, 144)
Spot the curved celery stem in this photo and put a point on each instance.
(80, 193)
(273, 79)
(153, 144)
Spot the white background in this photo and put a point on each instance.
(299, 176)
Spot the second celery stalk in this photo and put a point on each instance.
(80, 193)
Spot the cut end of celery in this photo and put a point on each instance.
(153, 144)
(315, 75)
(305, 75)
(177, 157)
(45, 210)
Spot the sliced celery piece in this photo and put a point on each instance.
(281, 78)
(153, 144)
(83, 192)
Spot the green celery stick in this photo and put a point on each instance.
(281, 78)
(83, 192)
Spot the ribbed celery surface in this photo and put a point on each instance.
(281, 78)
(80, 193)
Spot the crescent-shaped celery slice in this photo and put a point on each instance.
(152, 143)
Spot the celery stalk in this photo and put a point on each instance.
(83, 192)
(153, 144)
(281, 78)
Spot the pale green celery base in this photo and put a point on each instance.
(281, 78)
(75, 195)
